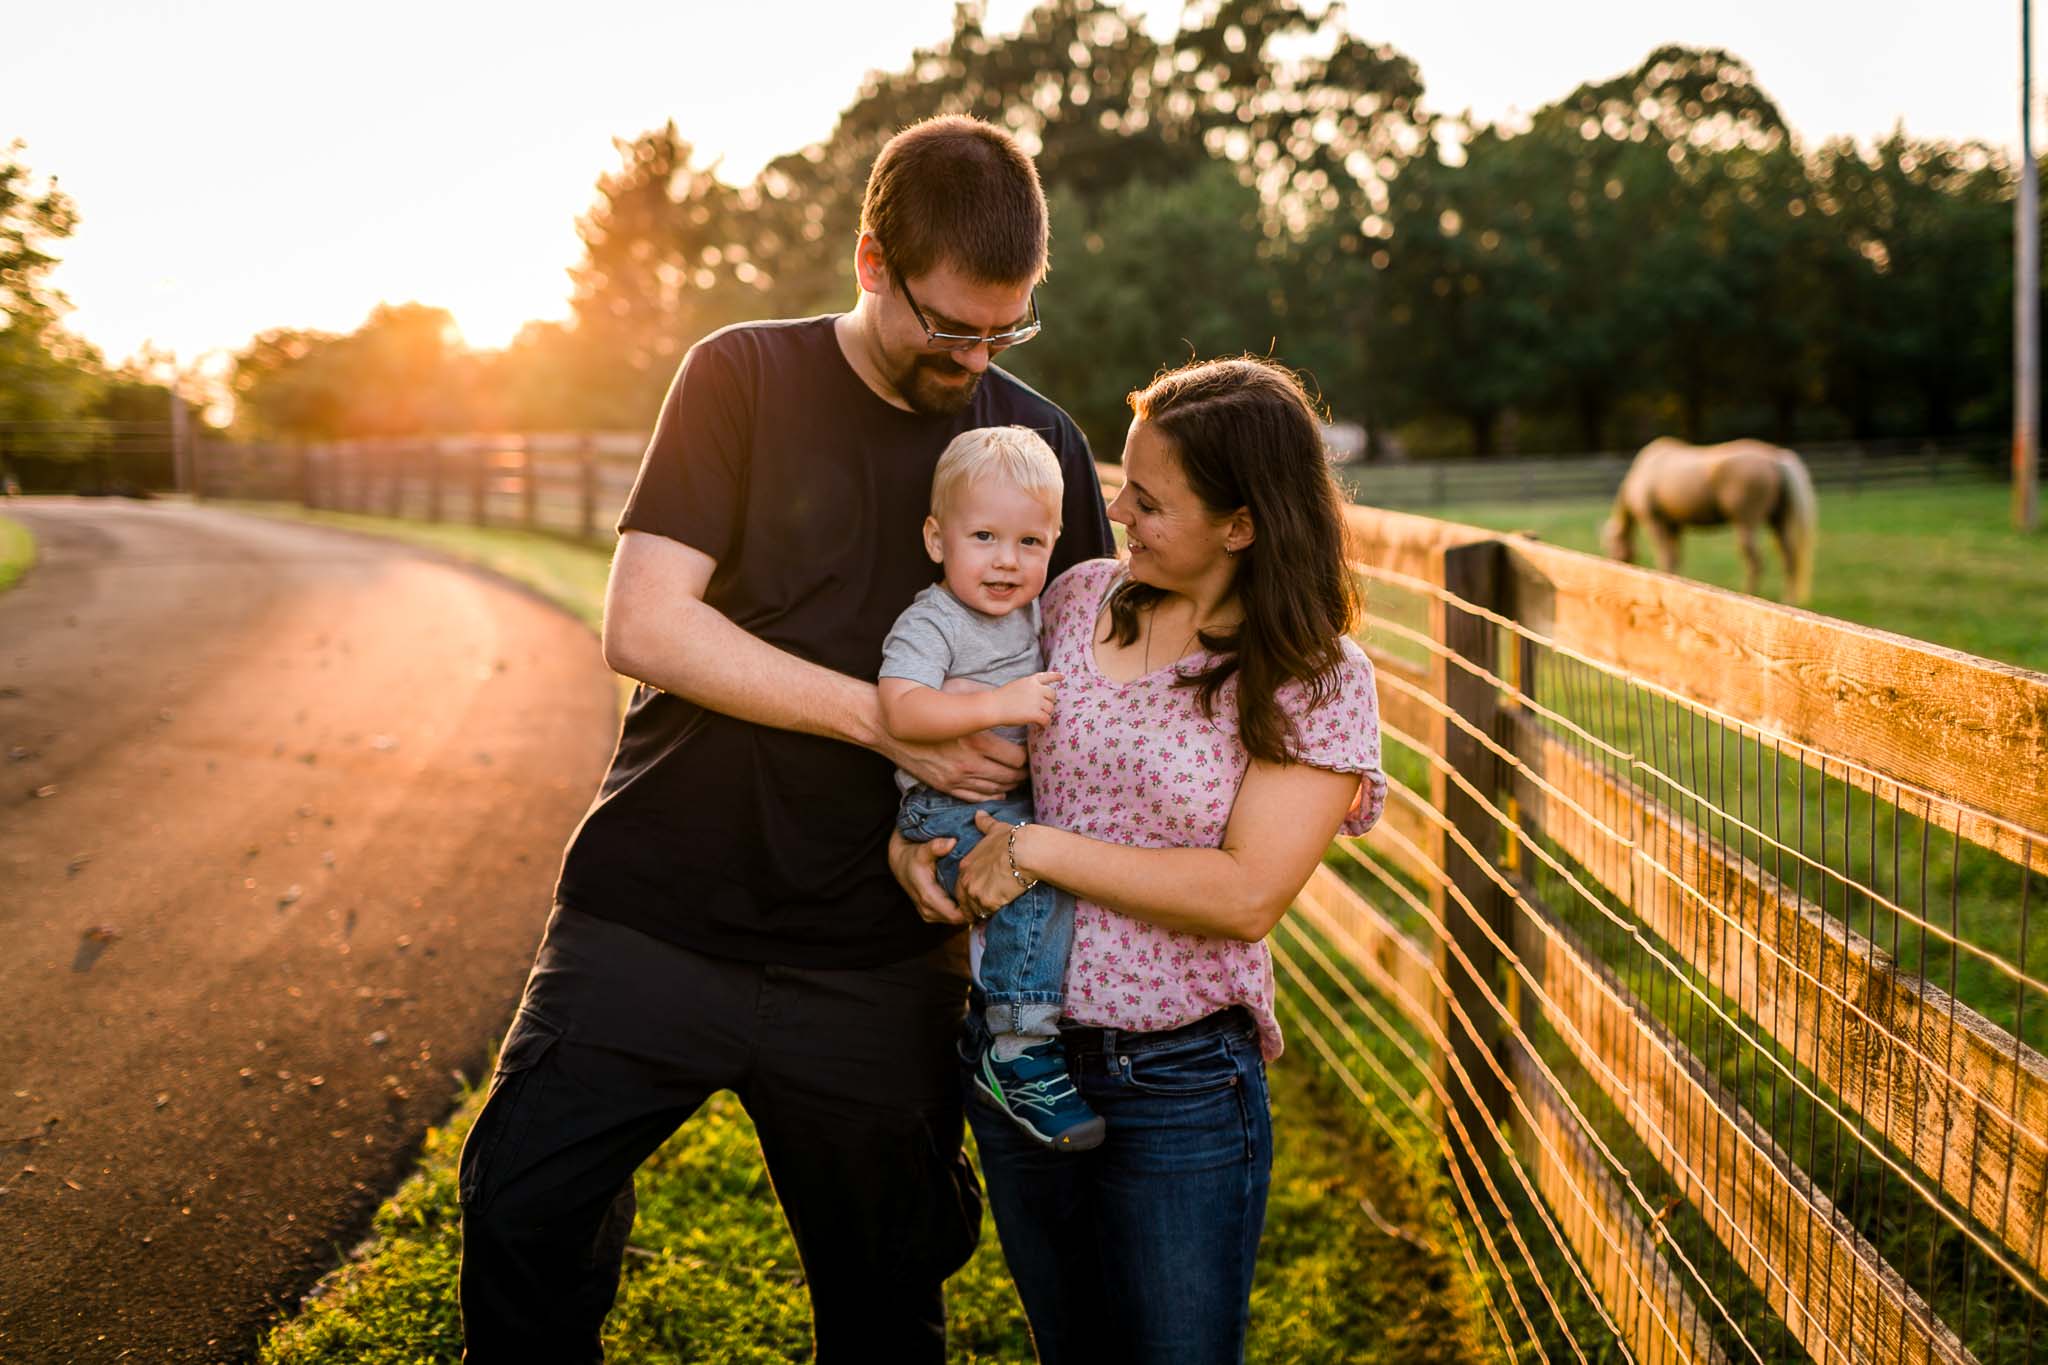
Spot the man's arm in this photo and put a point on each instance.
(659, 629)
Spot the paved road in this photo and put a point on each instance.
(280, 809)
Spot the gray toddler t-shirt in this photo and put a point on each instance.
(940, 637)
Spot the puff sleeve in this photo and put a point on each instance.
(1342, 734)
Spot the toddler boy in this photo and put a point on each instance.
(964, 657)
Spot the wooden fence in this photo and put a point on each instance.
(573, 483)
(1706, 923)
(1696, 943)
(568, 483)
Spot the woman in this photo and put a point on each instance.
(1215, 728)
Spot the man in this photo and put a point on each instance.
(726, 916)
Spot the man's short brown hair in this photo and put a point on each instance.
(957, 191)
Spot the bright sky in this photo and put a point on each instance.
(244, 164)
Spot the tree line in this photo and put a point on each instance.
(1654, 252)
(48, 374)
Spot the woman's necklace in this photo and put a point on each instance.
(1150, 616)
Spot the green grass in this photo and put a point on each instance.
(713, 1274)
(17, 552)
(1940, 563)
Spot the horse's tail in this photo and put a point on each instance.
(1798, 527)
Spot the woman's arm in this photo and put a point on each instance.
(1284, 818)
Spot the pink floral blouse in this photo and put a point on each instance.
(1137, 763)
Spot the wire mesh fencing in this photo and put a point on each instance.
(1703, 928)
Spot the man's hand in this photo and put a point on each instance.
(979, 767)
(1027, 701)
(916, 867)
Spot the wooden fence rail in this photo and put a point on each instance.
(1708, 919)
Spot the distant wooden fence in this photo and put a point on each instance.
(1698, 931)
(573, 483)
(1709, 924)
(97, 456)
(1535, 478)
(568, 483)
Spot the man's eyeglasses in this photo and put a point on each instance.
(959, 341)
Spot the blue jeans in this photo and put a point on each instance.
(1141, 1251)
(1024, 949)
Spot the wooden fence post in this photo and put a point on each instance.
(430, 455)
(1474, 902)
(529, 484)
(479, 480)
(586, 467)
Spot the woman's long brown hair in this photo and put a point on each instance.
(1248, 436)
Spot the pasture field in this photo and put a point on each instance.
(17, 552)
(713, 1274)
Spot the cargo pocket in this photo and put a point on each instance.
(943, 1233)
(517, 1089)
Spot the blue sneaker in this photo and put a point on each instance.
(1035, 1090)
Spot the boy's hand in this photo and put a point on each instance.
(1027, 701)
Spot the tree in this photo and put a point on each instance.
(1922, 300)
(46, 374)
(1150, 275)
(1310, 121)
(1617, 192)
(663, 264)
(1466, 326)
(402, 373)
(280, 389)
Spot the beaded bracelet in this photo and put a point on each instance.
(1026, 883)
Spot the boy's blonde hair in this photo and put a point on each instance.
(1014, 455)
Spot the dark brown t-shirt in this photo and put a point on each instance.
(772, 457)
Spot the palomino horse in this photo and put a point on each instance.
(1672, 485)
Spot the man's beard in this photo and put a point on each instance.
(925, 392)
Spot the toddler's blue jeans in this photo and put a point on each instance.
(1024, 952)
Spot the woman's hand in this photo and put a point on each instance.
(985, 885)
(916, 868)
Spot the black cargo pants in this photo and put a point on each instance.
(852, 1082)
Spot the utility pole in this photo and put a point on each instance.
(2026, 404)
(181, 439)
